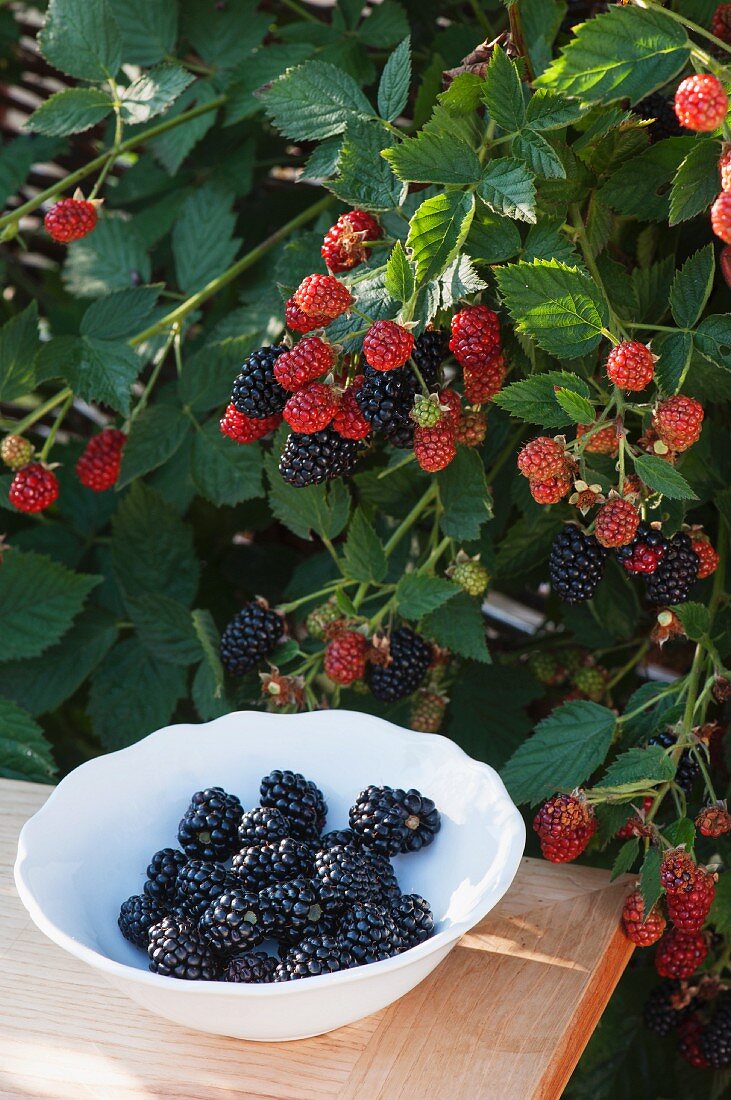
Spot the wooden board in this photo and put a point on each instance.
(505, 1017)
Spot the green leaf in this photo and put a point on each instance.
(651, 765)
(643, 725)
(574, 405)
(502, 92)
(122, 716)
(615, 605)
(488, 710)
(386, 24)
(460, 627)
(171, 148)
(720, 914)
(364, 178)
(625, 858)
(319, 509)
(224, 35)
(364, 556)
(399, 276)
(675, 351)
(662, 477)
(656, 167)
(492, 238)
(696, 619)
(314, 101)
(393, 88)
(650, 885)
(696, 182)
(434, 158)
(679, 832)
(152, 548)
(526, 545)
(110, 258)
(70, 112)
(464, 496)
(611, 816)
(203, 241)
(458, 281)
(154, 437)
(210, 641)
(225, 472)
(547, 241)
(82, 39)
(121, 315)
(205, 382)
(562, 753)
(24, 751)
(623, 54)
(165, 628)
(19, 346)
(97, 370)
(437, 231)
(539, 155)
(692, 286)
(551, 111)
(153, 92)
(263, 67)
(508, 188)
(17, 158)
(149, 29)
(560, 307)
(39, 600)
(417, 596)
(534, 399)
(713, 339)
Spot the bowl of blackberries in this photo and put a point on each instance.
(270, 877)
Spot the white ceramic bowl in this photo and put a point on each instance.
(87, 849)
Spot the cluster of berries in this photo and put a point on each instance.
(701, 104)
(699, 1012)
(270, 878)
(565, 824)
(571, 668)
(35, 486)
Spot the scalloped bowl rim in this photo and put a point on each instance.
(126, 973)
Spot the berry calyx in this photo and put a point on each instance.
(630, 365)
(434, 448)
(601, 442)
(679, 954)
(387, 345)
(70, 220)
(708, 558)
(312, 408)
(305, 362)
(701, 103)
(616, 523)
(565, 825)
(322, 297)
(34, 488)
(345, 657)
(551, 490)
(16, 451)
(641, 930)
(542, 458)
(98, 466)
(342, 248)
(245, 429)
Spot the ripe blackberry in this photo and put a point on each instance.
(263, 865)
(231, 922)
(250, 636)
(385, 884)
(665, 122)
(390, 820)
(673, 580)
(177, 950)
(162, 874)
(255, 967)
(200, 882)
(256, 392)
(342, 877)
(313, 956)
(409, 658)
(386, 397)
(291, 910)
(576, 564)
(661, 1014)
(315, 457)
(430, 351)
(414, 919)
(208, 828)
(371, 933)
(687, 770)
(299, 799)
(645, 552)
(344, 838)
(716, 1040)
(137, 915)
(263, 824)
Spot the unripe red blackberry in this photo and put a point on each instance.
(298, 321)
(482, 381)
(721, 217)
(708, 558)
(701, 102)
(630, 365)
(435, 448)
(345, 657)
(427, 711)
(715, 1042)
(70, 219)
(724, 166)
(641, 930)
(721, 23)
(541, 458)
(34, 488)
(342, 248)
(472, 428)
(678, 872)
(305, 362)
(387, 345)
(691, 1033)
(349, 421)
(602, 442)
(16, 451)
(475, 335)
(245, 429)
(312, 408)
(565, 825)
(713, 820)
(322, 297)
(679, 954)
(645, 552)
(550, 491)
(616, 523)
(689, 909)
(98, 467)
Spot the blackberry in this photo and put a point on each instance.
(315, 457)
(659, 108)
(162, 874)
(392, 820)
(430, 351)
(199, 883)
(342, 876)
(209, 827)
(716, 1039)
(290, 910)
(344, 838)
(687, 770)
(385, 398)
(299, 799)
(371, 933)
(659, 1014)
(672, 581)
(313, 956)
(264, 865)
(231, 922)
(177, 950)
(263, 824)
(414, 919)
(254, 967)
(575, 564)
(385, 883)
(251, 636)
(410, 656)
(137, 915)
(256, 392)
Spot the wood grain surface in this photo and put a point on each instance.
(505, 1016)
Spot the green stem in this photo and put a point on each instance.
(435, 555)
(634, 660)
(577, 221)
(698, 755)
(327, 590)
(54, 429)
(481, 17)
(114, 151)
(303, 13)
(411, 518)
(692, 687)
(41, 410)
(326, 542)
(150, 384)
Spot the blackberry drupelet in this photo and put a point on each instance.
(342, 876)
(162, 873)
(385, 883)
(716, 1039)
(199, 883)
(262, 824)
(341, 837)
(430, 351)
(385, 399)
(231, 922)
(290, 910)
(177, 950)
(255, 967)
(687, 770)
(209, 827)
(658, 107)
(263, 865)
(371, 933)
(137, 915)
(299, 799)
(659, 1014)
(414, 919)
(645, 552)
(250, 637)
(313, 956)
(410, 657)
(576, 564)
(390, 820)
(256, 392)
(312, 458)
(672, 581)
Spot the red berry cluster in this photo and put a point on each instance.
(476, 345)
(565, 825)
(98, 467)
(640, 929)
(34, 488)
(245, 429)
(71, 219)
(548, 467)
(631, 365)
(701, 104)
(344, 245)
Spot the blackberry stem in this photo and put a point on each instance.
(39, 412)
